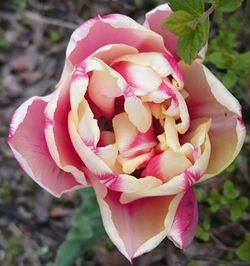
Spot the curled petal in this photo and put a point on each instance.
(29, 146)
(103, 88)
(154, 60)
(209, 98)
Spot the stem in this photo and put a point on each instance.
(207, 13)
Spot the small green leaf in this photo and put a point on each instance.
(214, 200)
(243, 61)
(229, 79)
(229, 191)
(227, 5)
(86, 228)
(195, 7)
(190, 44)
(243, 250)
(181, 23)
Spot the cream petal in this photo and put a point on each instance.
(166, 165)
(209, 98)
(141, 79)
(154, 60)
(138, 113)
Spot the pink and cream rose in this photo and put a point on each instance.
(136, 123)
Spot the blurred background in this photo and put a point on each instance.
(33, 224)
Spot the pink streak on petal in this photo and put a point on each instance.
(185, 222)
(190, 178)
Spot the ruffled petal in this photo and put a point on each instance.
(139, 226)
(209, 98)
(28, 143)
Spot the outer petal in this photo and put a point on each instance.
(209, 98)
(57, 135)
(155, 20)
(27, 141)
(139, 226)
(185, 221)
(111, 29)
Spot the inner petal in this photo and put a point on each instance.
(132, 143)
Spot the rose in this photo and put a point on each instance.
(136, 123)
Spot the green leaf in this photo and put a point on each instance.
(181, 23)
(227, 5)
(195, 7)
(214, 200)
(229, 191)
(86, 228)
(243, 61)
(190, 44)
(243, 251)
(229, 79)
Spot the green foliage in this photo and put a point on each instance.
(223, 54)
(86, 228)
(203, 230)
(231, 198)
(229, 191)
(54, 36)
(243, 250)
(181, 22)
(214, 200)
(227, 5)
(190, 21)
(238, 208)
(190, 44)
(194, 7)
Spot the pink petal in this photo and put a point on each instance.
(155, 21)
(185, 221)
(28, 143)
(57, 133)
(111, 29)
(139, 226)
(209, 98)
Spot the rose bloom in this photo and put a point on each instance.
(131, 119)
